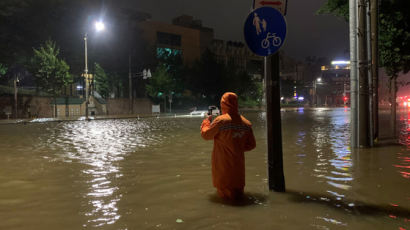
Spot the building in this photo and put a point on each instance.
(291, 69)
(238, 54)
(186, 37)
(206, 34)
(334, 88)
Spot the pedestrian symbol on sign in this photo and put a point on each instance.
(257, 22)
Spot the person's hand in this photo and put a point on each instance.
(209, 117)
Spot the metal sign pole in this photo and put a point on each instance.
(276, 176)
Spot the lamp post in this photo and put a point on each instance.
(15, 81)
(315, 82)
(99, 26)
(86, 76)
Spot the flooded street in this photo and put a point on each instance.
(155, 173)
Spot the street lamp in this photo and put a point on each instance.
(315, 82)
(99, 26)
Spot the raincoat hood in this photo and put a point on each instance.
(229, 103)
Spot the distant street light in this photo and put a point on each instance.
(315, 83)
(99, 26)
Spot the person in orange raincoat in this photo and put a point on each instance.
(232, 135)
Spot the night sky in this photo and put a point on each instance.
(308, 34)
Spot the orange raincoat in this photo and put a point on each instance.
(232, 135)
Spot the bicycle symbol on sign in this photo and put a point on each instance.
(276, 41)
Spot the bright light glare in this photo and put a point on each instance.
(99, 26)
(340, 62)
(301, 98)
(319, 79)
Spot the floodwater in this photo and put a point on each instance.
(155, 173)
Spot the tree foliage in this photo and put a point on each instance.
(3, 69)
(337, 7)
(395, 36)
(102, 84)
(51, 72)
(161, 83)
(208, 79)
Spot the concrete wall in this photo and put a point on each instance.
(30, 106)
(27, 106)
(120, 106)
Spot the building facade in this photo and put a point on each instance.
(186, 37)
(238, 54)
(334, 88)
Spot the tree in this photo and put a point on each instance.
(51, 73)
(206, 79)
(238, 80)
(160, 84)
(102, 85)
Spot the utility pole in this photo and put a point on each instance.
(274, 127)
(85, 77)
(363, 78)
(374, 17)
(353, 74)
(16, 79)
(369, 74)
(130, 84)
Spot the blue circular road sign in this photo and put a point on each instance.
(265, 31)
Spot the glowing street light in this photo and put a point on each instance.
(340, 62)
(315, 82)
(99, 26)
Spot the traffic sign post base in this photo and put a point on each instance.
(276, 176)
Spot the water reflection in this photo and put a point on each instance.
(101, 145)
(333, 160)
(403, 157)
(333, 166)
